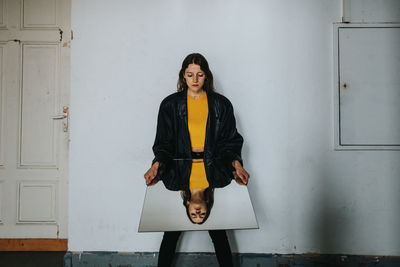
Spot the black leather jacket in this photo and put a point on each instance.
(172, 148)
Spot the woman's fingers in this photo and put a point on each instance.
(153, 179)
(150, 175)
(239, 178)
(239, 181)
(148, 180)
(244, 176)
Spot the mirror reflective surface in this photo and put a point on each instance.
(163, 210)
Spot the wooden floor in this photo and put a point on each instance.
(33, 244)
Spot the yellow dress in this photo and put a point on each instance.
(197, 122)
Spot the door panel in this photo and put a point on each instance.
(1, 201)
(3, 14)
(38, 105)
(37, 202)
(2, 101)
(39, 13)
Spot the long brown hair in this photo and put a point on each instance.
(208, 197)
(200, 60)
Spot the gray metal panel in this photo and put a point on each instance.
(369, 87)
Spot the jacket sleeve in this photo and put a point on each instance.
(230, 142)
(163, 143)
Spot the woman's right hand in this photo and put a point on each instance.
(151, 174)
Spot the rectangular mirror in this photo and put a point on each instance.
(163, 210)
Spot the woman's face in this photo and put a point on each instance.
(197, 211)
(194, 77)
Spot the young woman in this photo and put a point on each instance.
(197, 148)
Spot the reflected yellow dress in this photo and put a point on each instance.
(197, 122)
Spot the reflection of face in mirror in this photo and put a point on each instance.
(198, 204)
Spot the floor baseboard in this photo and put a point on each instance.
(31, 259)
(149, 259)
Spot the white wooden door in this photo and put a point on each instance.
(34, 89)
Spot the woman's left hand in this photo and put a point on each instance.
(240, 174)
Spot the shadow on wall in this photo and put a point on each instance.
(358, 210)
(332, 223)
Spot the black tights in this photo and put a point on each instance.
(219, 238)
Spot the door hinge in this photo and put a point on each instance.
(15, 40)
(72, 35)
(61, 34)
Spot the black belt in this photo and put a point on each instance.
(197, 155)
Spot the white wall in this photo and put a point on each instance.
(273, 59)
(371, 10)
